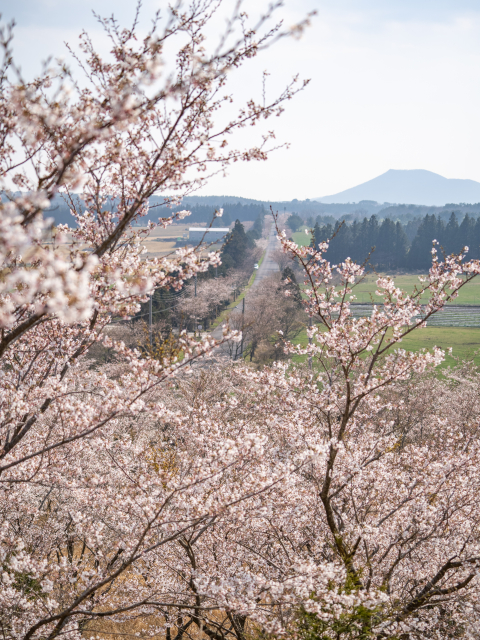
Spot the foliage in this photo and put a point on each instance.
(294, 222)
(359, 239)
(390, 480)
(216, 500)
(291, 286)
(238, 211)
(258, 225)
(237, 246)
(95, 479)
(273, 314)
(390, 240)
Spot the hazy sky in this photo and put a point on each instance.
(394, 85)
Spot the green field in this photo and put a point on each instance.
(301, 238)
(224, 314)
(365, 291)
(464, 342)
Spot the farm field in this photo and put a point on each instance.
(465, 341)
(365, 291)
(301, 238)
(163, 241)
(159, 242)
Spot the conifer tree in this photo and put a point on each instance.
(401, 245)
(237, 244)
(419, 254)
(451, 240)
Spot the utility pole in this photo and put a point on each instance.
(310, 323)
(243, 324)
(150, 313)
(195, 316)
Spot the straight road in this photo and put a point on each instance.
(268, 266)
(266, 269)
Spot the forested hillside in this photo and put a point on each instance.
(60, 213)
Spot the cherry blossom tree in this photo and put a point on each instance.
(270, 318)
(377, 537)
(393, 504)
(92, 486)
(203, 299)
(327, 501)
(378, 534)
(282, 259)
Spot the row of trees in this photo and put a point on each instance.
(392, 247)
(60, 212)
(273, 316)
(200, 302)
(358, 239)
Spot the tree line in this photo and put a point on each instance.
(390, 243)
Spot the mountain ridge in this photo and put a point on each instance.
(410, 186)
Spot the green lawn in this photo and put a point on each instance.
(463, 340)
(301, 238)
(470, 294)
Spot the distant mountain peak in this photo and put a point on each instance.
(410, 186)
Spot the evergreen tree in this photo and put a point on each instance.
(224, 221)
(321, 234)
(386, 245)
(392, 240)
(256, 231)
(237, 244)
(474, 245)
(419, 256)
(451, 237)
(466, 233)
(365, 244)
(355, 248)
(340, 244)
(401, 246)
(411, 228)
(294, 222)
(373, 230)
(315, 240)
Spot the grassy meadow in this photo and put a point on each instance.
(365, 291)
(465, 341)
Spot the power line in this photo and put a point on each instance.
(143, 315)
